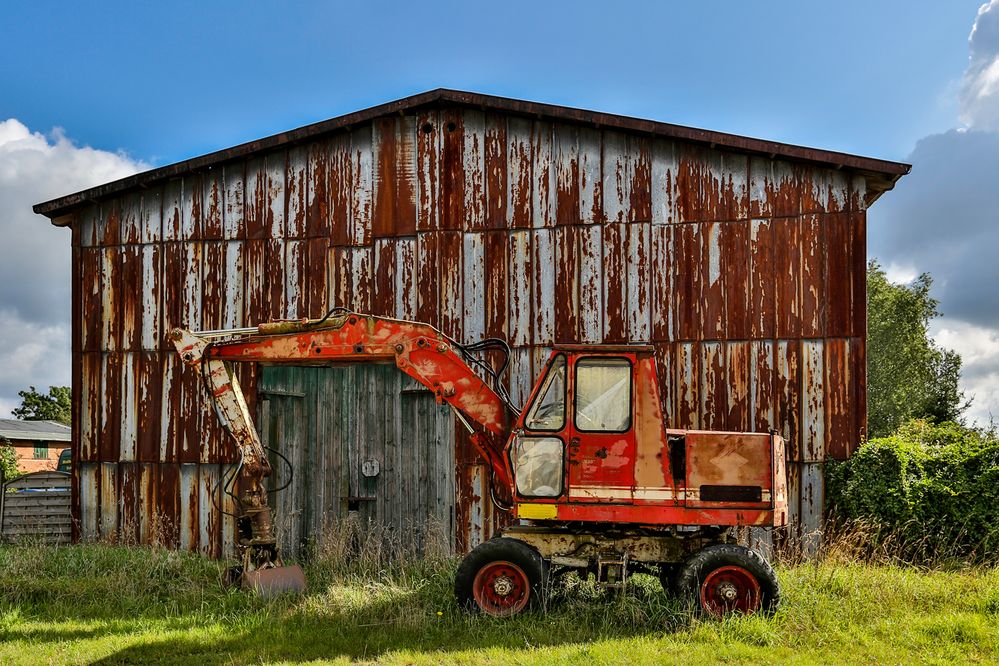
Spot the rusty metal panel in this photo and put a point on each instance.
(111, 323)
(297, 192)
(209, 517)
(544, 186)
(565, 156)
(383, 298)
(317, 199)
(735, 267)
(794, 497)
(519, 172)
(149, 400)
(449, 254)
(351, 277)
(519, 274)
(638, 242)
(687, 281)
(130, 306)
(521, 374)
(858, 227)
(181, 286)
(665, 191)
(787, 258)
(151, 216)
(788, 395)
(110, 405)
(212, 204)
(737, 368)
(306, 292)
(132, 503)
(665, 354)
(494, 162)
(90, 299)
(713, 388)
(812, 505)
(763, 272)
(857, 193)
(263, 266)
(812, 240)
(394, 147)
(494, 268)
(234, 197)
(838, 391)
(427, 271)
(617, 170)
(566, 287)
(90, 223)
(543, 263)
(174, 225)
(182, 413)
(164, 520)
(762, 400)
(361, 186)
(591, 201)
(265, 194)
(189, 493)
(473, 167)
(428, 156)
(129, 399)
(712, 282)
(131, 218)
(824, 190)
(812, 401)
(473, 287)
(591, 284)
(775, 188)
(615, 278)
(406, 295)
(88, 411)
(688, 383)
(107, 526)
(89, 507)
(149, 309)
(837, 295)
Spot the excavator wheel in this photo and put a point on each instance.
(501, 577)
(726, 578)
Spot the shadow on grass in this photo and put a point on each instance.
(306, 632)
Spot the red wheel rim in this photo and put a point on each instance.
(501, 588)
(729, 589)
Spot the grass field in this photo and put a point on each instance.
(114, 604)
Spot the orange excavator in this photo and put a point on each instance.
(596, 479)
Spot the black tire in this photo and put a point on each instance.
(699, 566)
(667, 577)
(490, 555)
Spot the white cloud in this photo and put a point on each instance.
(979, 350)
(35, 256)
(980, 86)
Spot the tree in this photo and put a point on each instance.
(908, 374)
(8, 460)
(53, 406)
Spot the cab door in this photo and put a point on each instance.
(602, 447)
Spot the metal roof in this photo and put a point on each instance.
(35, 430)
(881, 174)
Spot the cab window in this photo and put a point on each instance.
(548, 410)
(603, 394)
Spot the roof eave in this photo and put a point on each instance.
(877, 171)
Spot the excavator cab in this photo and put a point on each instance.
(593, 445)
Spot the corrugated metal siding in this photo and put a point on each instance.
(747, 274)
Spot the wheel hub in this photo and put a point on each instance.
(503, 586)
(728, 591)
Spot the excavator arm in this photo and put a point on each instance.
(421, 351)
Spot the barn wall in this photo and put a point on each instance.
(748, 275)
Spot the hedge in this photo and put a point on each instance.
(934, 488)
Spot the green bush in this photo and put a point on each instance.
(932, 488)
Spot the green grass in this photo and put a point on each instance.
(115, 604)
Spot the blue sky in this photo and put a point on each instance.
(92, 93)
(165, 81)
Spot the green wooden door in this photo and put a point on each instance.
(364, 440)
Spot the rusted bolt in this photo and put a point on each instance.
(421, 343)
(398, 349)
(442, 348)
(319, 350)
(358, 348)
(353, 320)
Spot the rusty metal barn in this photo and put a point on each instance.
(741, 260)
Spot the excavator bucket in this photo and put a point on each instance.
(275, 581)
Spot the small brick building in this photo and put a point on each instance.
(37, 443)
